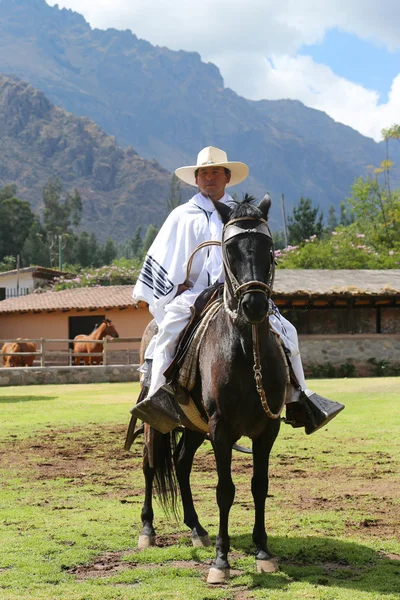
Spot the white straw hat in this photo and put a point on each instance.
(211, 156)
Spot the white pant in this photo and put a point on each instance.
(177, 315)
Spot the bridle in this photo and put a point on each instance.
(236, 289)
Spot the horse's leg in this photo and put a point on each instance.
(266, 563)
(147, 536)
(183, 459)
(222, 444)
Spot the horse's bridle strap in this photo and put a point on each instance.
(232, 230)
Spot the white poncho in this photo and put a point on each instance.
(164, 267)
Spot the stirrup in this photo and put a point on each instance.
(320, 410)
(159, 411)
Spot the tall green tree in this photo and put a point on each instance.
(149, 237)
(109, 252)
(137, 243)
(304, 222)
(332, 221)
(16, 218)
(35, 250)
(62, 215)
(60, 212)
(175, 197)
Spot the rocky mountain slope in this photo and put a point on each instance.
(168, 105)
(120, 190)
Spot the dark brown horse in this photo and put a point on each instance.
(241, 388)
(87, 343)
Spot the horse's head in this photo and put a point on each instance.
(248, 255)
(110, 329)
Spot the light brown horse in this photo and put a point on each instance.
(18, 360)
(87, 343)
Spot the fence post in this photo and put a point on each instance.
(105, 351)
(43, 356)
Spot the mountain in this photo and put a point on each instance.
(119, 189)
(168, 105)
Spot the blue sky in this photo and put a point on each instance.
(358, 60)
(338, 56)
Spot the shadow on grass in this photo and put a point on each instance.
(16, 399)
(326, 562)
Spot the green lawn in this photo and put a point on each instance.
(71, 497)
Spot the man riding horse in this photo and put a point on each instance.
(162, 284)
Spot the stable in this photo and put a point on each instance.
(348, 320)
(63, 315)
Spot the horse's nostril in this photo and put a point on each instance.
(255, 307)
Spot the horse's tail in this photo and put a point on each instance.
(166, 485)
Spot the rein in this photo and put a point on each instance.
(238, 290)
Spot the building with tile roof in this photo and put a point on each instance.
(340, 315)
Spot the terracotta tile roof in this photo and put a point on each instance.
(38, 271)
(314, 282)
(347, 282)
(115, 296)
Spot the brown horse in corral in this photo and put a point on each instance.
(16, 360)
(87, 343)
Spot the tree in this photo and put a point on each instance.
(16, 218)
(391, 133)
(8, 263)
(137, 243)
(8, 191)
(346, 214)
(377, 213)
(149, 237)
(332, 221)
(34, 250)
(175, 196)
(61, 215)
(305, 222)
(109, 252)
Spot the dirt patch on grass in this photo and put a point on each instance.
(95, 455)
(110, 563)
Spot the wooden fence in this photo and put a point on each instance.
(46, 356)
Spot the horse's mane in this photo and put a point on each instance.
(246, 208)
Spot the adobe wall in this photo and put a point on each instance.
(130, 322)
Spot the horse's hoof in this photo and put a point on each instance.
(267, 566)
(146, 541)
(218, 576)
(201, 541)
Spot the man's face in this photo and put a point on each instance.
(211, 181)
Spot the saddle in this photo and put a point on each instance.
(190, 415)
(199, 310)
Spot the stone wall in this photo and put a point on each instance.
(315, 350)
(47, 375)
(357, 349)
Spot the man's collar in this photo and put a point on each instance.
(206, 204)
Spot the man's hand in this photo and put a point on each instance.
(182, 287)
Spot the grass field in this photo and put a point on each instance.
(71, 497)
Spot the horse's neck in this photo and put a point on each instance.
(99, 333)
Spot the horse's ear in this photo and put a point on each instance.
(224, 211)
(265, 205)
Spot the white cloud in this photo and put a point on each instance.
(255, 45)
(300, 78)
